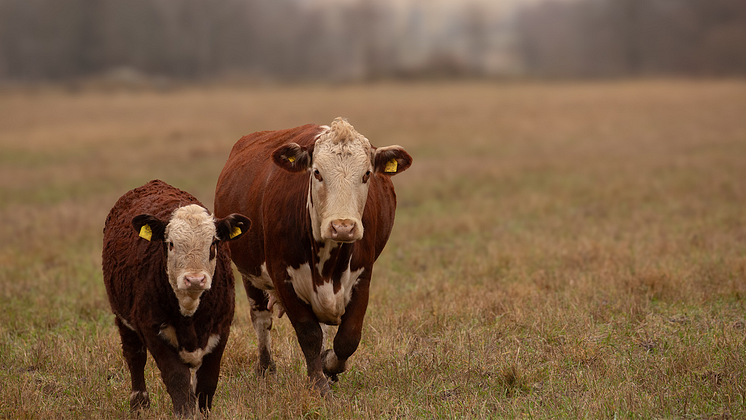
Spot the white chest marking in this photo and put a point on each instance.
(327, 305)
(324, 254)
(168, 334)
(194, 358)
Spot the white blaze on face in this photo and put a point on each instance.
(339, 183)
(190, 235)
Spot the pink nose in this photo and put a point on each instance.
(194, 281)
(343, 230)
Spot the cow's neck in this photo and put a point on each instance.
(328, 258)
(331, 258)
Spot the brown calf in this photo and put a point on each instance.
(323, 206)
(168, 275)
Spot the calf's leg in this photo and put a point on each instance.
(207, 376)
(136, 356)
(175, 374)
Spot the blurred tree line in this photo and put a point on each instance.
(603, 38)
(368, 39)
(285, 39)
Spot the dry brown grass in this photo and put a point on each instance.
(560, 250)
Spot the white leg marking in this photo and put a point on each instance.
(333, 364)
(134, 394)
(325, 332)
(193, 379)
(262, 321)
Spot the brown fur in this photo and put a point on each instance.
(253, 184)
(143, 300)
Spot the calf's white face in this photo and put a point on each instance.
(342, 162)
(191, 239)
(192, 242)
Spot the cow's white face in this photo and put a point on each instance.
(191, 239)
(341, 164)
(341, 168)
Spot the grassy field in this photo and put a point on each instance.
(560, 250)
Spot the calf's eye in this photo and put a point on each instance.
(317, 175)
(366, 177)
(170, 246)
(213, 250)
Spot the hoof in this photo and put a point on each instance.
(321, 384)
(264, 371)
(331, 373)
(139, 400)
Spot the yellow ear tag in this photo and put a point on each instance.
(391, 165)
(235, 232)
(291, 159)
(146, 232)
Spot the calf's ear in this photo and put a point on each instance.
(293, 157)
(232, 227)
(149, 227)
(391, 160)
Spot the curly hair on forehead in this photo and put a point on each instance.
(342, 131)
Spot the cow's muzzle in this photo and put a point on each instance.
(344, 230)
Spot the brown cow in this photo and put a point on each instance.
(323, 206)
(170, 283)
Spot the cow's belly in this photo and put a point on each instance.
(327, 305)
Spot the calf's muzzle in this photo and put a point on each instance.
(194, 281)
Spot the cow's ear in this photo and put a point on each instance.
(391, 160)
(232, 227)
(149, 227)
(293, 157)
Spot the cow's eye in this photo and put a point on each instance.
(213, 249)
(170, 245)
(366, 177)
(317, 175)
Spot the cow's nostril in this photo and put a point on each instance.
(194, 281)
(342, 229)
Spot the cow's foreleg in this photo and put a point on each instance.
(350, 330)
(208, 373)
(309, 333)
(176, 375)
(261, 318)
(136, 356)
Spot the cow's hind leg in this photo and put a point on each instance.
(261, 318)
(349, 332)
(136, 356)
